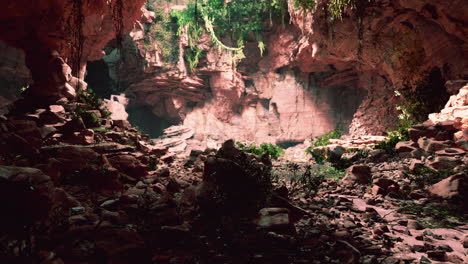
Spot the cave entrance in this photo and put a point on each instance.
(99, 79)
(340, 92)
(143, 118)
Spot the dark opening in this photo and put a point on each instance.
(141, 117)
(98, 79)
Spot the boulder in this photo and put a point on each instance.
(360, 174)
(27, 195)
(405, 146)
(335, 151)
(453, 187)
(85, 137)
(416, 164)
(377, 155)
(273, 219)
(122, 124)
(129, 165)
(432, 145)
(445, 163)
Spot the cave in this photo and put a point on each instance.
(141, 116)
(286, 131)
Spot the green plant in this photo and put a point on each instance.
(149, 5)
(269, 149)
(435, 215)
(152, 164)
(90, 119)
(90, 98)
(334, 7)
(324, 139)
(425, 176)
(393, 137)
(238, 21)
(309, 178)
(163, 33)
(416, 103)
(101, 129)
(339, 163)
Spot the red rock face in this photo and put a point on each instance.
(40, 27)
(401, 41)
(317, 75)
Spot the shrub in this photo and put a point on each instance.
(324, 139)
(90, 98)
(400, 134)
(423, 177)
(309, 178)
(273, 151)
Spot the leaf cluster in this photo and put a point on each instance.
(273, 151)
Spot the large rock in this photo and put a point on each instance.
(445, 163)
(26, 195)
(453, 187)
(432, 145)
(273, 219)
(360, 174)
(129, 165)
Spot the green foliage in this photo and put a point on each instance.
(90, 98)
(269, 149)
(309, 178)
(435, 215)
(305, 4)
(324, 140)
(149, 5)
(393, 137)
(339, 163)
(423, 177)
(23, 89)
(235, 20)
(152, 164)
(164, 33)
(415, 106)
(90, 119)
(334, 7)
(319, 157)
(101, 129)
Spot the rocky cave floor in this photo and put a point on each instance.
(92, 190)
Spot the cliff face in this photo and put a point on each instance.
(396, 44)
(316, 75)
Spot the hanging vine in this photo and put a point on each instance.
(117, 17)
(75, 27)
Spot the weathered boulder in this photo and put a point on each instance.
(129, 165)
(453, 187)
(27, 195)
(273, 219)
(445, 162)
(405, 146)
(432, 145)
(360, 174)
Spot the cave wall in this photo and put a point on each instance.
(315, 75)
(14, 75)
(73, 30)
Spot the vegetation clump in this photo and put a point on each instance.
(163, 34)
(90, 98)
(322, 141)
(334, 7)
(237, 21)
(417, 102)
(273, 151)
